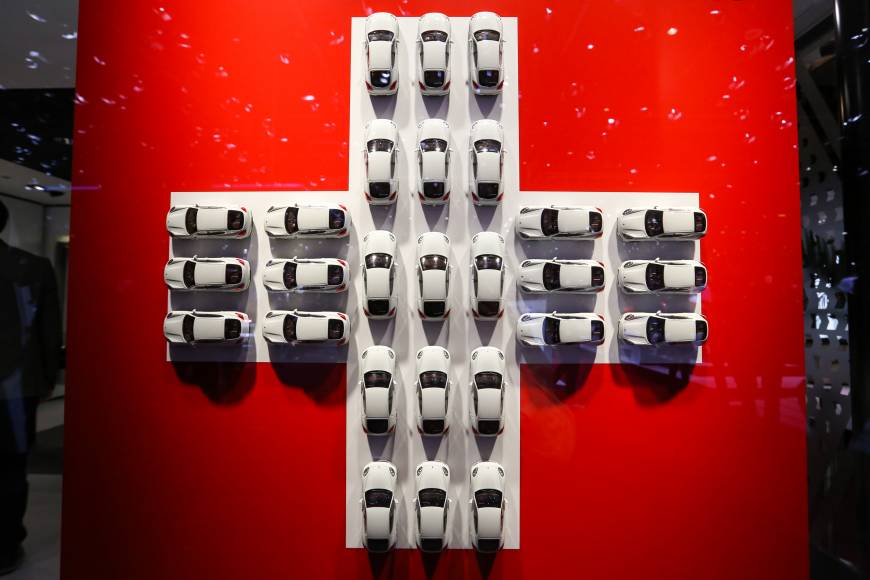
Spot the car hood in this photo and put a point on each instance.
(431, 476)
(434, 55)
(489, 522)
(377, 402)
(379, 166)
(174, 272)
(380, 55)
(488, 54)
(634, 275)
(379, 244)
(487, 244)
(434, 166)
(575, 330)
(530, 220)
(573, 221)
(378, 359)
(434, 403)
(575, 276)
(489, 285)
(679, 330)
(434, 284)
(211, 219)
(175, 220)
(533, 274)
(433, 359)
(488, 166)
(432, 244)
(379, 477)
(634, 221)
(274, 326)
(635, 328)
(308, 328)
(378, 283)
(679, 276)
(678, 222)
(487, 360)
(381, 129)
(431, 522)
(377, 523)
(489, 404)
(173, 326)
(210, 273)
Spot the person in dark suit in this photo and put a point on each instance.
(30, 355)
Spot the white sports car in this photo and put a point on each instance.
(561, 276)
(487, 506)
(487, 390)
(487, 275)
(433, 389)
(377, 389)
(663, 276)
(653, 329)
(197, 327)
(433, 276)
(308, 220)
(306, 275)
(568, 222)
(381, 44)
(382, 162)
(485, 64)
(379, 274)
(560, 328)
(433, 54)
(297, 327)
(227, 274)
(662, 223)
(431, 505)
(486, 162)
(207, 221)
(433, 161)
(378, 505)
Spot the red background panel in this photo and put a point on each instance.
(201, 471)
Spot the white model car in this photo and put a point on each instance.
(433, 161)
(226, 274)
(382, 162)
(433, 276)
(377, 389)
(433, 54)
(663, 276)
(379, 274)
(308, 220)
(567, 222)
(433, 389)
(306, 275)
(431, 505)
(556, 275)
(378, 505)
(662, 223)
(487, 506)
(208, 221)
(656, 328)
(381, 47)
(297, 327)
(560, 328)
(485, 65)
(487, 275)
(486, 162)
(197, 327)
(487, 390)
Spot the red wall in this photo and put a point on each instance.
(238, 472)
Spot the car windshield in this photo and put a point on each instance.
(488, 262)
(431, 497)
(433, 78)
(336, 219)
(380, 35)
(487, 190)
(433, 379)
(487, 146)
(379, 307)
(235, 220)
(380, 78)
(487, 78)
(233, 274)
(488, 498)
(655, 276)
(433, 262)
(487, 380)
(379, 498)
(488, 308)
(290, 328)
(434, 308)
(486, 35)
(700, 331)
(232, 328)
(653, 223)
(190, 220)
(433, 189)
(655, 329)
(378, 261)
(291, 222)
(597, 276)
(434, 35)
(488, 426)
(376, 379)
(334, 275)
(334, 329)
(700, 277)
(551, 330)
(427, 145)
(187, 328)
(550, 222)
(700, 222)
(379, 145)
(290, 275)
(379, 189)
(551, 276)
(187, 274)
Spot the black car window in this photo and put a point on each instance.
(433, 189)
(550, 222)
(380, 35)
(487, 77)
(551, 330)
(487, 146)
(597, 276)
(290, 275)
(653, 223)
(290, 328)
(434, 78)
(379, 307)
(190, 220)
(433, 262)
(188, 274)
(336, 219)
(379, 145)
(379, 189)
(433, 379)
(596, 221)
(187, 328)
(487, 426)
(434, 308)
(655, 329)
(377, 426)
(380, 79)
(487, 190)
(376, 379)
(379, 498)
(334, 275)
(487, 380)
(378, 261)
(430, 145)
(551, 276)
(700, 331)
(486, 35)
(488, 307)
(235, 220)
(431, 497)
(597, 331)
(291, 220)
(655, 276)
(700, 277)
(700, 222)
(487, 262)
(488, 498)
(232, 328)
(234, 274)
(434, 35)
(334, 329)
